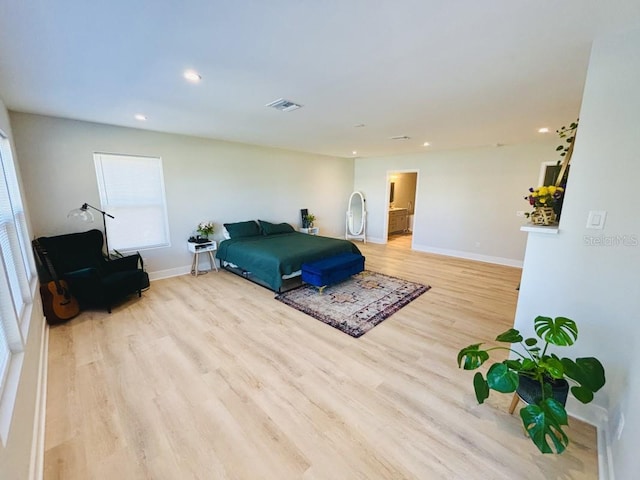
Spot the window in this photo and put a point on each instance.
(17, 278)
(132, 190)
(549, 172)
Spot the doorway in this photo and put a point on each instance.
(402, 186)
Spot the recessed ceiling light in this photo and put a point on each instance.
(543, 130)
(192, 76)
(426, 144)
(139, 116)
(354, 153)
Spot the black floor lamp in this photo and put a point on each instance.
(84, 215)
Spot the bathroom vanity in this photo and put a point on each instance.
(398, 220)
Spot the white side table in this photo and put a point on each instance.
(311, 230)
(197, 249)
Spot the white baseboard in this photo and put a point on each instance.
(36, 464)
(598, 417)
(176, 272)
(605, 455)
(171, 272)
(376, 240)
(510, 262)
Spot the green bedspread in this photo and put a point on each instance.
(269, 257)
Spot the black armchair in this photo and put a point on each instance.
(78, 259)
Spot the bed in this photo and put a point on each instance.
(272, 253)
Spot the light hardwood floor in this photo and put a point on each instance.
(400, 240)
(211, 378)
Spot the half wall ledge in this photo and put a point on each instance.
(548, 229)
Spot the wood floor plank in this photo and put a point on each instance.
(211, 378)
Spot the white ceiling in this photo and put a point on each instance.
(456, 73)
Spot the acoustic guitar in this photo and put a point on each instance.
(57, 302)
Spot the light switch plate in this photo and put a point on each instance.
(596, 219)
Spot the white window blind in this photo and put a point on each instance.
(5, 354)
(132, 190)
(17, 268)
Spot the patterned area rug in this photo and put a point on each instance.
(356, 305)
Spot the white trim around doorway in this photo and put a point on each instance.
(385, 230)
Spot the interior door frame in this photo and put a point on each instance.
(387, 192)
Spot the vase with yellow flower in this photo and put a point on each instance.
(547, 204)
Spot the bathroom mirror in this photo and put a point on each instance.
(356, 217)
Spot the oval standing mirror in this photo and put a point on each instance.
(356, 217)
(355, 207)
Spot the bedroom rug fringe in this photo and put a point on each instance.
(356, 305)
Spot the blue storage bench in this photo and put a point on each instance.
(332, 270)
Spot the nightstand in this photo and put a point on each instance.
(197, 249)
(311, 230)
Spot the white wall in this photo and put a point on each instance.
(15, 456)
(597, 284)
(464, 198)
(204, 179)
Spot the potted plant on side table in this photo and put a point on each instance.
(539, 378)
(307, 220)
(205, 230)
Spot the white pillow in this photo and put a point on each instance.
(225, 233)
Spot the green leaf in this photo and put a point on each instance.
(528, 365)
(556, 411)
(514, 364)
(582, 393)
(530, 342)
(481, 387)
(561, 331)
(553, 367)
(510, 336)
(544, 421)
(473, 357)
(588, 372)
(501, 379)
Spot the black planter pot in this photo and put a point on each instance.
(530, 391)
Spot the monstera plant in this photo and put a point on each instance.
(541, 379)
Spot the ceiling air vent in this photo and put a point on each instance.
(401, 137)
(283, 105)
